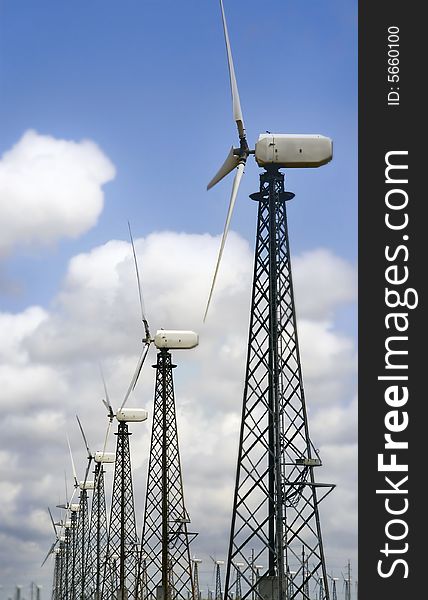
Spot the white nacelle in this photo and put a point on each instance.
(67, 524)
(293, 150)
(87, 485)
(105, 457)
(74, 507)
(176, 340)
(132, 414)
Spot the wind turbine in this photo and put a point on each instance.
(122, 536)
(82, 574)
(197, 593)
(347, 581)
(238, 587)
(217, 569)
(57, 538)
(275, 507)
(166, 568)
(68, 582)
(92, 539)
(334, 580)
(165, 539)
(97, 539)
(272, 151)
(80, 542)
(63, 554)
(58, 552)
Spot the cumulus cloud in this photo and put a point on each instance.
(50, 372)
(331, 276)
(50, 188)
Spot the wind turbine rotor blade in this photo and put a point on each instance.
(87, 472)
(136, 373)
(66, 487)
(106, 437)
(84, 437)
(140, 293)
(72, 496)
(107, 405)
(49, 553)
(237, 112)
(53, 522)
(106, 401)
(227, 167)
(235, 188)
(76, 483)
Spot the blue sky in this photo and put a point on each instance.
(147, 83)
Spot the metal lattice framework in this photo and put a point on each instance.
(65, 564)
(81, 546)
(276, 498)
(347, 582)
(196, 590)
(56, 581)
(321, 590)
(238, 587)
(97, 540)
(120, 571)
(218, 592)
(61, 570)
(165, 542)
(71, 557)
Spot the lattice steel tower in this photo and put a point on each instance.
(56, 580)
(165, 543)
(96, 554)
(122, 548)
(347, 581)
(65, 563)
(276, 499)
(218, 592)
(72, 553)
(196, 589)
(81, 545)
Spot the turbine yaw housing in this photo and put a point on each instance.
(293, 150)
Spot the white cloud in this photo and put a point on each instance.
(50, 373)
(14, 329)
(335, 424)
(50, 188)
(331, 277)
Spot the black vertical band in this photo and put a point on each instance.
(392, 307)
